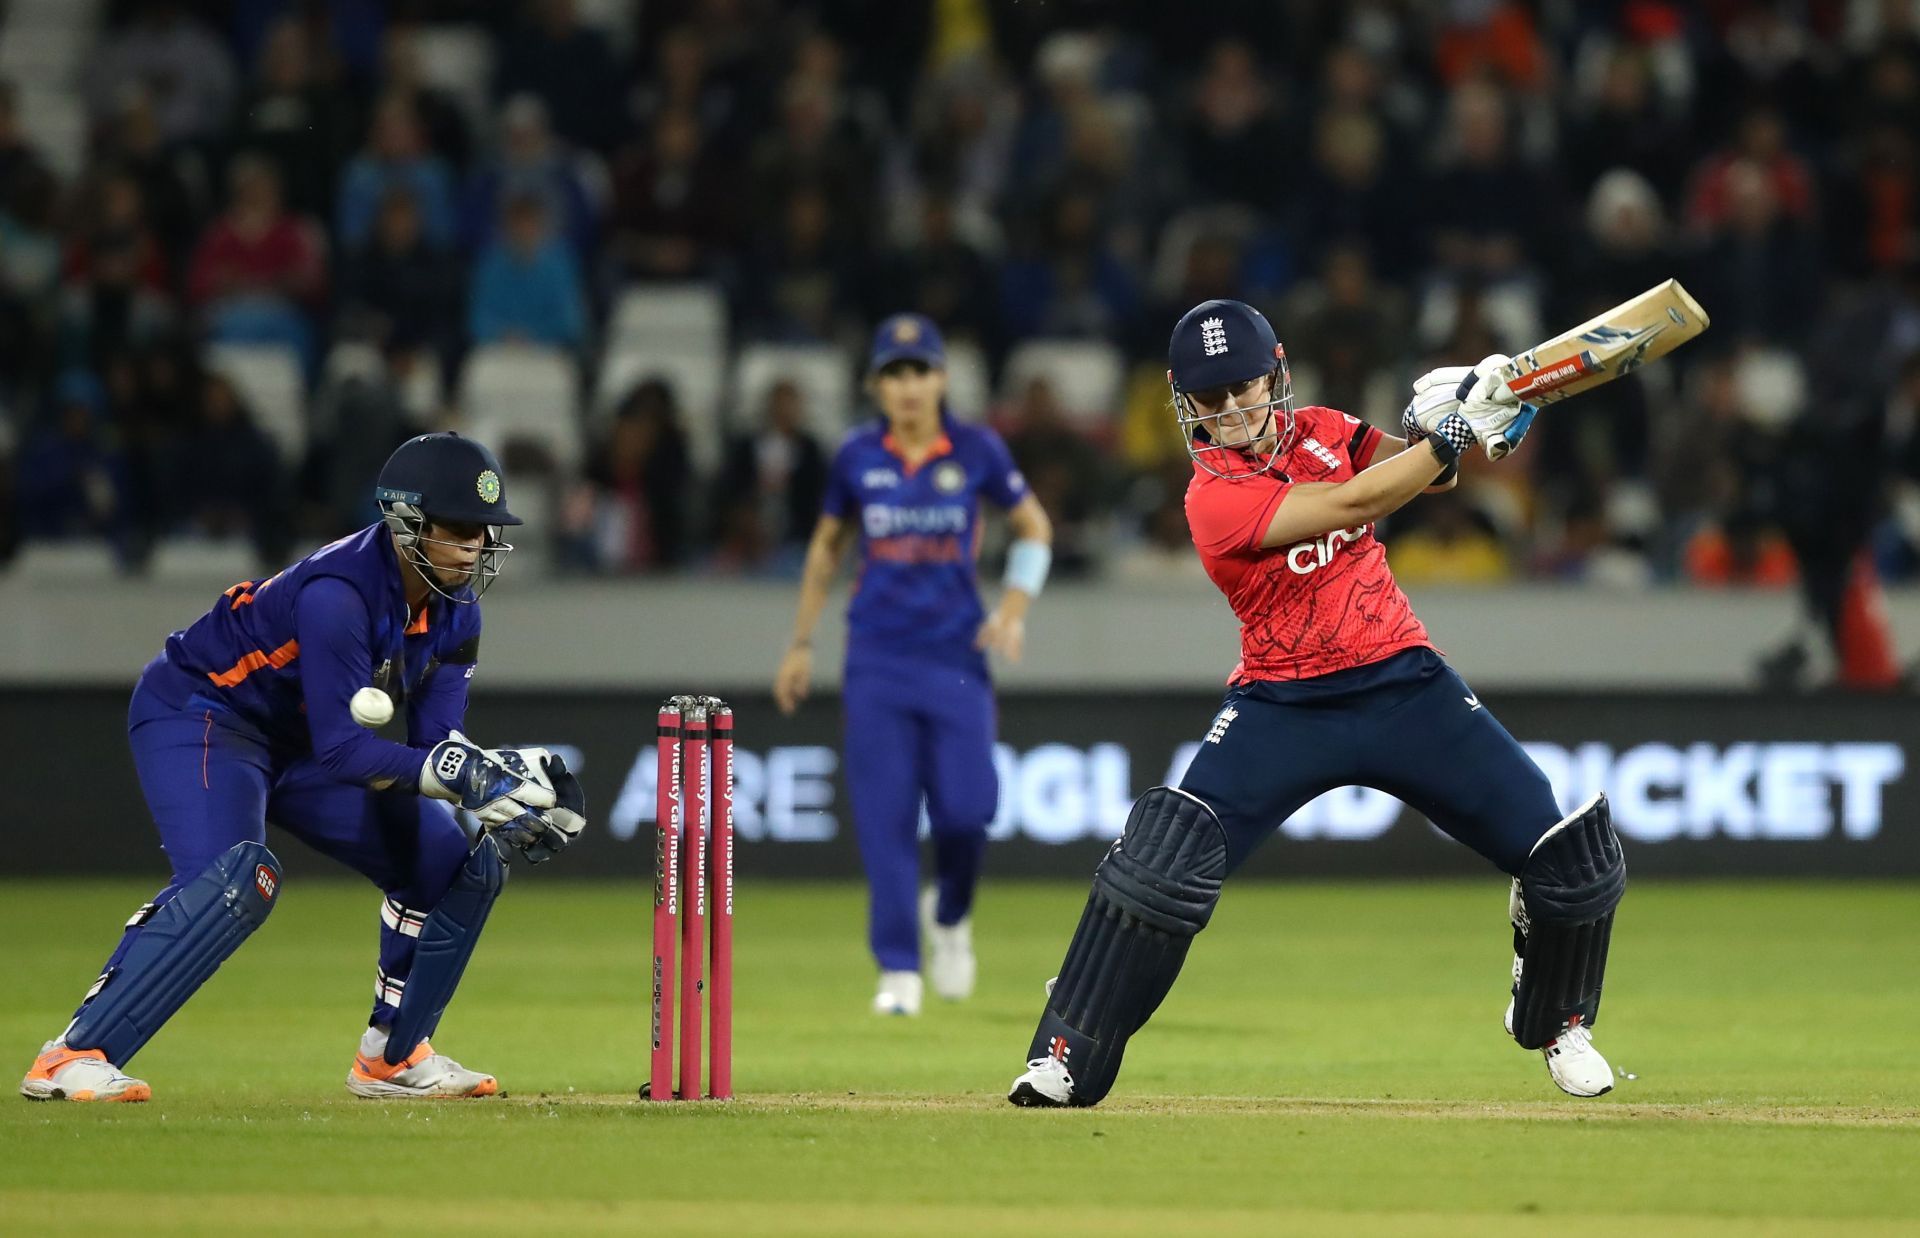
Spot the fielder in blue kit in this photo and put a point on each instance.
(918, 697)
(265, 709)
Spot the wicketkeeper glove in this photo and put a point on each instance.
(461, 772)
(540, 835)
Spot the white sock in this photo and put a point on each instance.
(373, 1041)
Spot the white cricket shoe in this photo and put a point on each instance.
(424, 1073)
(60, 1073)
(899, 993)
(1576, 1066)
(950, 962)
(1045, 1085)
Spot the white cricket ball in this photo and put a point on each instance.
(371, 708)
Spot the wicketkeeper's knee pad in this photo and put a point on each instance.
(180, 945)
(1155, 889)
(447, 938)
(1569, 887)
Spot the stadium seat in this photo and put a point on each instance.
(354, 359)
(1235, 224)
(459, 60)
(825, 377)
(669, 316)
(969, 386)
(695, 376)
(614, 18)
(43, 43)
(1510, 309)
(516, 393)
(268, 380)
(1089, 377)
(535, 500)
(55, 122)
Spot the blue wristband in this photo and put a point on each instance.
(1028, 561)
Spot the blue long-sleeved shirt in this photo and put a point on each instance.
(285, 656)
(366, 182)
(539, 297)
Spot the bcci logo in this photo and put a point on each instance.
(1213, 336)
(949, 478)
(487, 485)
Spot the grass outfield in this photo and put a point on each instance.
(1330, 1061)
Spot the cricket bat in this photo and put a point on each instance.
(1602, 349)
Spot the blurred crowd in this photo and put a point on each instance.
(1398, 184)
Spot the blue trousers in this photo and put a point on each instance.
(1407, 725)
(211, 782)
(918, 732)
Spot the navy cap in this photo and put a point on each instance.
(907, 337)
(1220, 343)
(447, 477)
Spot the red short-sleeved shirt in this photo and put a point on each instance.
(1320, 605)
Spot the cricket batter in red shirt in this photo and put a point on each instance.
(1338, 685)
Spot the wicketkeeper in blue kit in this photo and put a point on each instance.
(250, 716)
(920, 717)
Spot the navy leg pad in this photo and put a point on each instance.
(178, 948)
(447, 939)
(1153, 892)
(1569, 888)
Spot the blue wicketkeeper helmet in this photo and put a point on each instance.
(445, 479)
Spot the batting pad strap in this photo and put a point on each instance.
(447, 938)
(387, 990)
(178, 947)
(401, 919)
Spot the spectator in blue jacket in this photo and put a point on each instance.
(527, 286)
(396, 157)
(71, 482)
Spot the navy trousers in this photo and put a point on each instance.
(918, 732)
(1407, 725)
(211, 782)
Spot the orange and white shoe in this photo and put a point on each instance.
(424, 1073)
(60, 1073)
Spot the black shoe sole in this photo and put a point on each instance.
(1027, 1096)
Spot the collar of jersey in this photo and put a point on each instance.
(414, 625)
(942, 446)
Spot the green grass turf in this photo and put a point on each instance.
(1330, 1062)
